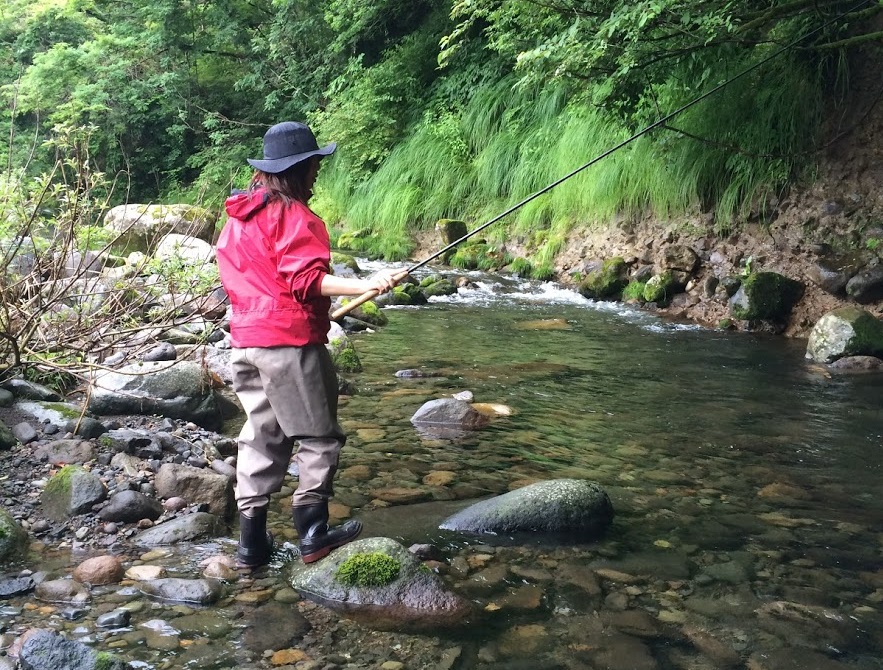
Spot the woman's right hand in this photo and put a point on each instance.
(384, 280)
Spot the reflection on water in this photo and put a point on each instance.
(731, 461)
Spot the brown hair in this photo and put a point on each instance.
(289, 185)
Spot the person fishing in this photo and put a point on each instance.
(274, 260)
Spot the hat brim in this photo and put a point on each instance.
(277, 165)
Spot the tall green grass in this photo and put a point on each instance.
(505, 143)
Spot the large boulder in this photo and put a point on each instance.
(380, 583)
(846, 331)
(180, 390)
(139, 226)
(576, 508)
(766, 296)
(607, 281)
(192, 250)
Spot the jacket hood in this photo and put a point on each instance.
(245, 205)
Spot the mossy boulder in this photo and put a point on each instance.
(343, 353)
(369, 312)
(660, 288)
(847, 331)
(403, 294)
(72, 490)
(13, 538)
(450, 230)
(606, 282)
(766, 296)
(344, 264)
(410, 598)
(7, 438)
(437, 285)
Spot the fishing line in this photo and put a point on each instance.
(355, 303)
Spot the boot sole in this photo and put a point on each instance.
(324, 551)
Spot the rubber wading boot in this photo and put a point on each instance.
(255, 543)
(317, 539)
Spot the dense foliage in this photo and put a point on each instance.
(442, 108)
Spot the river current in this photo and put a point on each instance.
(745, 480)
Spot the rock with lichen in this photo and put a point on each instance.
(379, 583)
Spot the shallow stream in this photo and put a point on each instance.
(746, 484)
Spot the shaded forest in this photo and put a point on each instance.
(441, 108)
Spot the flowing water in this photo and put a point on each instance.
(746, 485)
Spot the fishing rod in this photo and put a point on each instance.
(365, 297)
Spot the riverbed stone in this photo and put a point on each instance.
(846, 331)
(273, 626)
(578, 508)
(13, 538)
(196, 485)
(131, 507)
(196, 526)
(62, 591)
(99, 570)
(415, 599)
(449, 413)
(179, 390)
(175, 589)
(45, 650)
(72, 490)
(62, 452)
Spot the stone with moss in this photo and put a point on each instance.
(7, 439)
(440, 287)
(404, 294)
(408, 599)
(369, 312)
(72, 490)
(368, 569)
(660, 289)
(606, 282)
(345, 261)
(634, 291)
(766, 296)
(847, 331)
(13, 538)
(450, 230)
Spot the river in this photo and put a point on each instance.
(746, 485)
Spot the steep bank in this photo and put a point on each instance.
(839, 211)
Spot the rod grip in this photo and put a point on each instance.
(340, 312)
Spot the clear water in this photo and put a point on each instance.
(746, 484)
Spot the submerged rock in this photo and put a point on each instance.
(44, 650)
(197, 591)
(449, 413)
(575, 507)
(409, 598)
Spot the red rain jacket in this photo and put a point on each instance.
(272, 258)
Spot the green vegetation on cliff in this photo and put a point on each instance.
(441, 108)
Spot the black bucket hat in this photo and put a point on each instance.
(288, 143)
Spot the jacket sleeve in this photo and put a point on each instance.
(303, 252)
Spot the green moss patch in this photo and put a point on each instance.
(369, 569)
